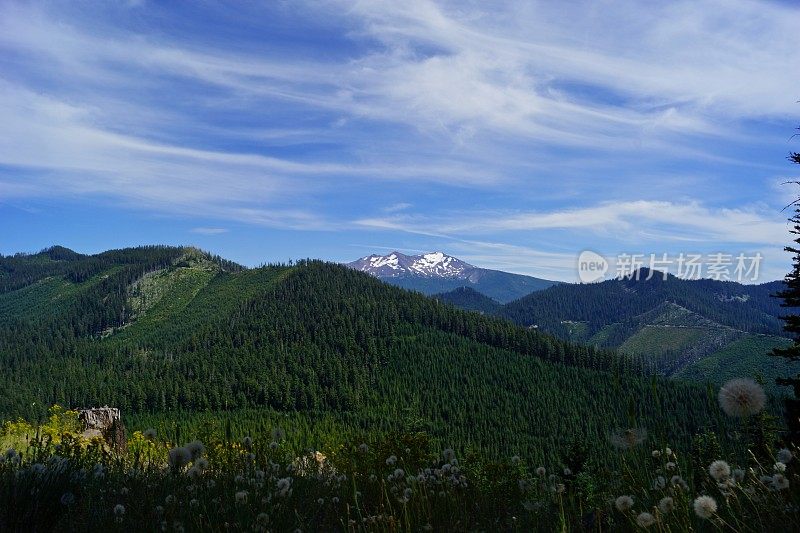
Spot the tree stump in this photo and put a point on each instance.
(104, 422)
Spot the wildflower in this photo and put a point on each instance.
(67, 499)
(150, 434)
(670, 466)
(659, 483)
(241, 497)
(195, 448)
(719, 470)
(705, 506)
(363, 448)
(742, 397)
(407, 493)
(738, 475)
(645, 520)
(784, 455)
(780, 482)
(391, 460)
(666, 505)
(656, 454)
(780, 467)
(628, 438)
(399, 473)
(247, 442)
(541, 471)
(179, 457)
(119, 510)
(668, 451)
(624, 503)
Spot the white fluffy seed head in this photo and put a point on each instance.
(705, 506)
(645, 520)
(624, 503)
(719, 470)
(742, 397)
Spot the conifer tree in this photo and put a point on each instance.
(791, 300)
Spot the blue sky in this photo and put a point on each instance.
(513, 136)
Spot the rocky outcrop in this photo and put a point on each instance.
(106, 423)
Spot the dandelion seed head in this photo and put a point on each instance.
(719, 470)
(705, 507)
(363, 448)
(645, 520)
(241, 497)
(780, 482)
(67, 499)
(623, 503)
(196, 448)
(179, 457)
(247, 442)
(784, 455)
(779, 467)
(738, 475)
(666, 505)
(541, 471)
(391, 460)
(448, 455)
(742, 397)
(119, 510)
(150, 434)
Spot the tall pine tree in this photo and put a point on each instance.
(791, 300)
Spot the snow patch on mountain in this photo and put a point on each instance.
(432, 265)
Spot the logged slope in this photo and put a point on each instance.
(195, 335)
(672, 324)
(437, 272)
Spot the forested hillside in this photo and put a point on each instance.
(160, 330)
(672, 325)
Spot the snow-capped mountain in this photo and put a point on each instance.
(437, 272)
(431, 265)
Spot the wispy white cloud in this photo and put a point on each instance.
(466, 103)
(209, 231)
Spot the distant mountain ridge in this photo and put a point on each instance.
(691, 329)
(437, 272)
